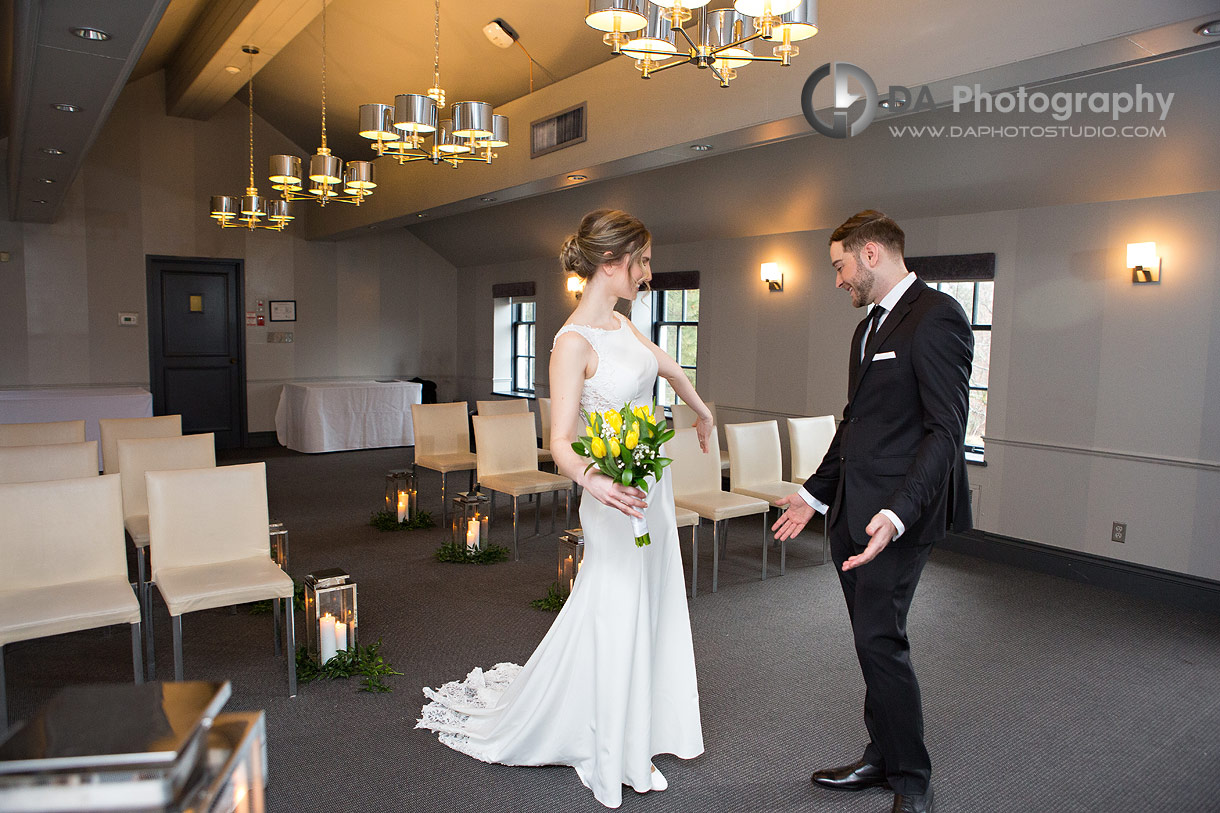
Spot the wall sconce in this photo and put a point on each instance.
(773, 277)
(575, 285)
(1144, 264)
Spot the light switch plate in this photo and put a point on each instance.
(129, 319)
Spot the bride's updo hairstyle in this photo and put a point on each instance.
(601, 231)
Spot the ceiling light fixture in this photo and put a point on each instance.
(1211, 29)
(95, 34)
(401, 130)
(652, 32)
(700, 147)
(51, 150)
(326, 173)
(46, 180)
(66, 108)
(38, 201)
(578, 177)
(252, 211)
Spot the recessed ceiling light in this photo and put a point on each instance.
(700, 147)
(38, 200)
(232, 69)
(46, 180)
(892, 104)
(578, 177)
(51, 150)
(66, 108)
(486, 200)
(422, 214)
(95, 34)
(1211, 29)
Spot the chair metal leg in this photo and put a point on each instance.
(537, 510)
(176, 623)
(694, 559)
(715, 554)
(516, 552)
(3, 697)
(444, 503)
(292, 649)
(137, 653)
(783, 554)
(275, 614)
(766, 515)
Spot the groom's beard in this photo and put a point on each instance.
(862, 287)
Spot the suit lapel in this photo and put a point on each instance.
(887, 327)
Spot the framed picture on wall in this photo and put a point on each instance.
(283, 310)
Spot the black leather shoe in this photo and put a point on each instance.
(913, 802)
(857, 776)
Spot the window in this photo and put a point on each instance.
(975, 298)
(675, 329)
(523, 319)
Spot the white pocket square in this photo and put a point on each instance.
(889, 354)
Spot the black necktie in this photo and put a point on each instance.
(875, 324)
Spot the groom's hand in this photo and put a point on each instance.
(794, 520)
(880, 532)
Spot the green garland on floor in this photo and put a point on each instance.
(388, 521)
(363, 661)
(264, 607)
(453, 552)
(553, 602)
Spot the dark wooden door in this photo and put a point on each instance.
(196, 345)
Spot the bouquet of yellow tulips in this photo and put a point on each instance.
(625, 445)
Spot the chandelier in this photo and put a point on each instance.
(326, 172)
(651, 31)
(250, 211)
(411, 130)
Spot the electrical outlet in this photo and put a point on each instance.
(1118, 533)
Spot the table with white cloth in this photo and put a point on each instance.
(74, 404)
(337, 416)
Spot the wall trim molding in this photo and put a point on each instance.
(1154, 584)
(1183, 462)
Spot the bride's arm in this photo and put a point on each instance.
(670, 370)
(569, 360)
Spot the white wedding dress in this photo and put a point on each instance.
(613, 681)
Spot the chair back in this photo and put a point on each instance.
(440, 428)
(62, 531)
(42, 434)
(55, 461)
(809, 439)
(115, 429)
(505, 443)
(544, 421)
(693, 472)
(207, 516)
(137, 456)
(503, 406)
(754, 448)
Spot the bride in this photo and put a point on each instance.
(613, 681)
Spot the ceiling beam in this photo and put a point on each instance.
(196, 82)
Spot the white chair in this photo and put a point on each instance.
(508, 464)
(115, 429)
(134, 458)
(42, 434)
(501, 406)
(689, 519)
(55, 461)
(696, 482)
(65, 566)
(808, 440)
(684, 418)
(757, 466)
(442, 442)
(208, 538)
(544, 425)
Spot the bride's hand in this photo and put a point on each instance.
(704, 429)
(608, 492)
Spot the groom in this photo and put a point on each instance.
(892, 482)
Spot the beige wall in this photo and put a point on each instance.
(1103, 395)
(375, 306)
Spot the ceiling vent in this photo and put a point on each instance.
(558, 131)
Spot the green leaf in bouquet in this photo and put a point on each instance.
(665, 436)
(663, 461)
(580, 448)
(626, 477)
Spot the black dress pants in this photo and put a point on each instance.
(878, 597)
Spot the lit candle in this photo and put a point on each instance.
(402, 506)
(326, 637)
(340, 635)
(412, 507)
(472, 535)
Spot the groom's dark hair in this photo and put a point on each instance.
(869, 226)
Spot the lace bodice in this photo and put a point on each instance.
(626, 368)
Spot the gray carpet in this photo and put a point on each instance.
(1039, 694)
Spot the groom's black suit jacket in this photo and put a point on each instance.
(899, 445)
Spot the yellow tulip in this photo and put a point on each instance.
(633, 438)
(615, 420)
(589, 431)
(615, 451)
(599, 447)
